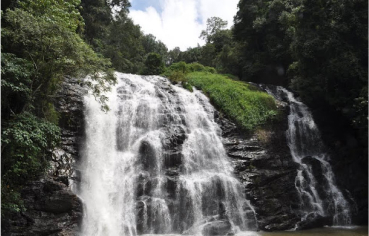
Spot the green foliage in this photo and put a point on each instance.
(265, 29)
(123, 45)
(191, 55)
(28, 140)
(177, 72)
(10, 200)
(15, 84)
(241, 102)
(26, 145)
(153, 65)
(214, 26)
(330, 65)
(319, 48)
(98, 17)
(114, 35)
(208, 54)
(228, 59)
(150, 44)
(54, 50)
(173, 56)
(41, 45)
(55, 12)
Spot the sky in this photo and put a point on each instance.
(178, 23)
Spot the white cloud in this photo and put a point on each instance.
(225, 9)
(178, 23)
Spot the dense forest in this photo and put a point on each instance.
(319, 49)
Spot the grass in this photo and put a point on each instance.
(243, 103)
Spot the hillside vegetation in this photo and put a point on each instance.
(241, 102)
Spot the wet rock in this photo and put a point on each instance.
(69, 104)
(172, 159)
(51, 209)
(147, 156)
(175, 136)
(318, 172)
(314, 221)
(267, 171)
(219, 227)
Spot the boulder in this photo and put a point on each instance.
(218, 227)
(51, 209)
(314, 220)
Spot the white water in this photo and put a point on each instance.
(155, 164)
(307, 150)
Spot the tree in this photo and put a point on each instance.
(213, 26)
(153, 64)
(318, 48)
(173, 56)
(123, 45)
(98, 16)
(208, 54)
(151, 44)
(265, 29)
(330, 67)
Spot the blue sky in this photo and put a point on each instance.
(141, 5)
(180, 22)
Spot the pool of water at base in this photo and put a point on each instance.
(325, 231)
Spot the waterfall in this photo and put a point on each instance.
(315, 182)
(155, 164)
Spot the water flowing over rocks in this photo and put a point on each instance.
(320, 199)
(155, 164)
(163, 160)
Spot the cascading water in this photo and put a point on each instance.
(155, 164)
(315, 183)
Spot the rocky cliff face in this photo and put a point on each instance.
(262, 161)
(51, 207)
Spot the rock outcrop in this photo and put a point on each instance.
(69, 104)
(263, 162)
